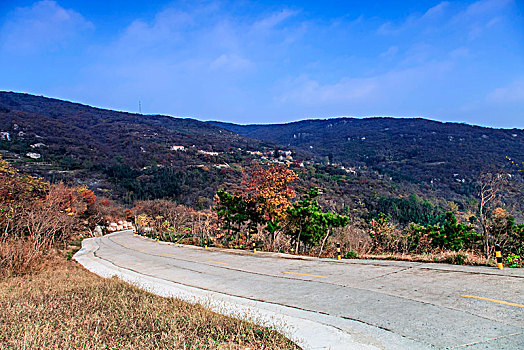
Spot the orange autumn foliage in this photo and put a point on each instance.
(270, 188)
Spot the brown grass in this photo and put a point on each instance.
(19, 256)
(446, 257)
(67, 307)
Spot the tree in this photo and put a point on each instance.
(450, 235)
(234, 211)
(490, 187)
(307, 223)
(269, 190)
(506, 233)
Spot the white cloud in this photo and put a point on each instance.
(165, 30)
(272, 20)
(433, 14)
(460, 52)
(436, 11)
(390, 52)
(383, 89)
(306, 91)
(512, 93)
(230, 62)
(483, 7)
(43, 26)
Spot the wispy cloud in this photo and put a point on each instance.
(43, 26)
(512, 93)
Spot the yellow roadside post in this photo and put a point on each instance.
(254, 247)
(498, 254)
(338, 252)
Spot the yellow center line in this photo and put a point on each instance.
(167, 254)
(303, 274)
(140, 249)
(217, 262)
(493, 300)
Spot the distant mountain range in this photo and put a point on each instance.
(413, 149)
(131, 156)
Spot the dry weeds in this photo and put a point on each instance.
(67, 307)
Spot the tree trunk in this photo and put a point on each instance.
(483, 226)
(324, 242)
(298, 242)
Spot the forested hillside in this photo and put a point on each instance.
(126, 155)
(445, 156)
(402, 167)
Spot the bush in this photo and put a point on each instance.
(36, 216)
(506, 233)
(456, 259)
(385, 236)
(451, 235)
(513, 260)
(351, 255)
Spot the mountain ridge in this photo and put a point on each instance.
(132, 156)
(405, 147)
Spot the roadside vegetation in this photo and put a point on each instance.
(267, 211)
(37, 218)
(65, 306)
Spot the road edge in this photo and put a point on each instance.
(305, 333)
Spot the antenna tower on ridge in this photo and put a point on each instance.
(139, 107)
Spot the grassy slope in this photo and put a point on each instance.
(69, 307)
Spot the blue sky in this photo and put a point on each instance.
(268, 61)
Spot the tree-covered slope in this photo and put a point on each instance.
(124, 154)
(418, 150)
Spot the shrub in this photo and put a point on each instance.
(450, 235)
(35, 216)
(385, 236)
(351, 255)
(513, 260)
(456, 259)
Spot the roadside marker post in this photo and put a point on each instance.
(205, 245)
(498, 255)
(338, 252)
(254, 247)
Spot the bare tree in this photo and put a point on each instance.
(491, 187)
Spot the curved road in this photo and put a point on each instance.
(380, 304)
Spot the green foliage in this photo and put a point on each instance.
(509, 235)
(350, 255)
(513, 260)
(304, 220)
(450, 235)
(234, 212)
(384, 235)
(307, 223)
(412, 209)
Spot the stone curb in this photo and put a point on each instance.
(305, 333)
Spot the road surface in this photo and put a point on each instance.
(376, 304)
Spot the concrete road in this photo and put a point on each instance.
(383, 304)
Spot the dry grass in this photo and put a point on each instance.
(67, 307)
(446, 257)
(22, 256)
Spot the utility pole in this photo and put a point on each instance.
(139, 107)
